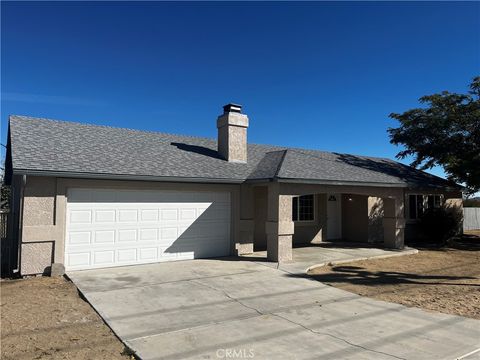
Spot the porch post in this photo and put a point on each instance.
(375, 219)
(247, 226)
(394, 222)
(279, 226)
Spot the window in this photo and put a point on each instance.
(303, 208)
(433, 202)
(419, 203)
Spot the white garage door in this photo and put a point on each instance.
(118, 227)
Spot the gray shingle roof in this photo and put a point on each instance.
(43, 145)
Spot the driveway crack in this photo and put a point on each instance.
(337, 337)
(229, 296)
(293, 322)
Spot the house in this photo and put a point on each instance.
(88, 196)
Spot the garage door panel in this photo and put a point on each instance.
(148, 234)
(127, 255)
(187, 214)
(81, 217)
(149, 215)
(106, 257)
(149, 253)
(113, 228)
(127, 235)
(79, 237)
(102, 216)
(104, 237)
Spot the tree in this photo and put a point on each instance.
(446, 133)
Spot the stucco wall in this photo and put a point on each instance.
(39, 232)
(312, 231)
(375, 220)
(39, 201)
(232, 136)
(36, 258)
(44, 212)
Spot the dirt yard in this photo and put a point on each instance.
(445, 279)
(44, 318)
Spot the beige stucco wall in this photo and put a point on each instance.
(36, 257)
(375, 219)
(394, 229)
(305, 232)
(313, 231)
(39, 232)
(257, 210)
(279, 227)
(232, 136)
(44, 213)
(39, 202)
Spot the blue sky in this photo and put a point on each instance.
(316, 75)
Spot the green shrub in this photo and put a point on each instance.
(440, 225)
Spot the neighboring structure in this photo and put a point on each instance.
(87, 196)
(471, 218)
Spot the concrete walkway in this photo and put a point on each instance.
(224, 309)
(313, 255)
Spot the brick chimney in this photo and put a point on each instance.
(232, 134)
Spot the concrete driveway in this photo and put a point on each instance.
(236, 309)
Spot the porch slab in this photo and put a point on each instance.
(314, 255)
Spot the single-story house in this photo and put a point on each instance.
(89, 196)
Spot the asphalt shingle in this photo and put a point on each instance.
(57, 146)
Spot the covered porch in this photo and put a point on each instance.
(305, 257)
(280, 221)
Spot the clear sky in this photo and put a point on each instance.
(321, 75)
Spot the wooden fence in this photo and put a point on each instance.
(3, 223)
(4, 246)
(471, 218)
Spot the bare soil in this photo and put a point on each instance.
(443, 279)
(44, 318)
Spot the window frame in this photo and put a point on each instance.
(424, 204)
(296, 206)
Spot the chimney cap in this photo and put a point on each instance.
(231, 107)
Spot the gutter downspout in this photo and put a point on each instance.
(19, 227)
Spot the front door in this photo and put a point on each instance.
(334, 216)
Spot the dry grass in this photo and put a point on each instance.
(473, 232)
(44, 318)
(445, 280)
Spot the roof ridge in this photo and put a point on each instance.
(340, 153)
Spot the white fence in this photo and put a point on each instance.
(471, 218)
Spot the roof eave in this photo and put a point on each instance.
(445, 187)
(339, 183)
(102, 176)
